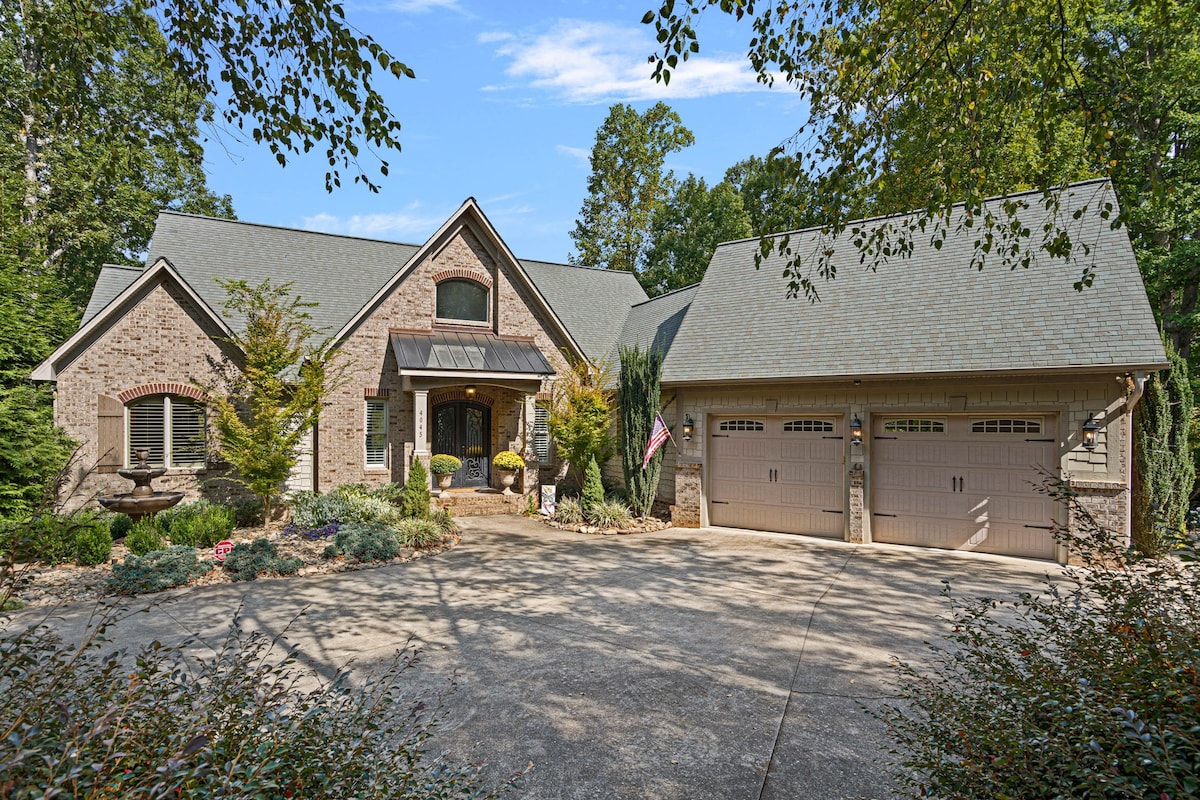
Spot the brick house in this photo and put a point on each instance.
(914, 404)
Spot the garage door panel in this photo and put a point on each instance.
(979, 493)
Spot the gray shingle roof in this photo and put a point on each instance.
(592, 303)
(342, 273)
(654, 323)
(467, 350)
(930, 313)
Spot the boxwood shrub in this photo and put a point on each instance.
(157, 570)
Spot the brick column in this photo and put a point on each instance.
(856, 503)
(686, 511)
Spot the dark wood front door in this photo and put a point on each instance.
(464, 429)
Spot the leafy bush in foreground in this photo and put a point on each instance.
(157, 570)
(119, 525)
(366, 542)
(1090, 688)
(569, 511)
(419, 533)
(87, 721)
(93, 543)
(144, 537)
(610, 514)
(198, 524)
(248, 560)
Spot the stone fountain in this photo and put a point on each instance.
(143, 500)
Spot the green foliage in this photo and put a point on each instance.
(247, 560)
(507, 459)
(144, 537)
(343, 504)
(569, 511)
(626, 185)
(418, 533)
(444, 521)
(1086, 689)
(442, 464)
(265, 405)
(33, 452)
(233, 724)
(366, 542)
(638, 398)
(1164, 472)
(580, 419)
(414, 501)
(593, 489)
(93, 542)
(198, 524)
(48, 538)
(247, 514)
(610, 514)
(119, 525)
(685, 230)
(776, 196)
(156, 570)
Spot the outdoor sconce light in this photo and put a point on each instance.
(469, 391)
(1089, 433)
(856, 430)
(688, 427)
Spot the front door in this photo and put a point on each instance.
(464, 429)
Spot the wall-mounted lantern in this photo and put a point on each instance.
(856, 430)
(689, 427)
(1090, 428)
(469, 391)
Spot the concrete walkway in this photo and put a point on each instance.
(683, 664)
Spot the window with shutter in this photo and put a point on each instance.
(187, 433)
(170, 429)
(541, 434)
(376, 433)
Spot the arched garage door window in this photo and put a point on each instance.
(172, 428)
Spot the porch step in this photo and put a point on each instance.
(472, 503)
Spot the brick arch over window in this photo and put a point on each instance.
(182, 389)
(463, 273)
(449, 395)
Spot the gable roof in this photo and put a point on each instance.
(930, 313)
(159, 271)
(593, 303)
(112, 280)
(653, 324)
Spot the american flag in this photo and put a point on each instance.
(658, 435)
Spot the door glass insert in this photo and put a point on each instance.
(463, 429)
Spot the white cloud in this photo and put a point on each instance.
(422, 6)
(580, 154)
(409, 223)
(596, 62)
(491, 37)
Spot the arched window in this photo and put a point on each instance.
(171, 428)
(461, 300)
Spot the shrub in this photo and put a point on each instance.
(198, 524)
(569, 511)
(367, 542)
(443, 464)
(331, 551)
(83, 721)
(156, 570)
(443, 520)
(247, 514)
(119, 525)
(311, 534)
(593, 488)
(93, 543)
(415, 500)
(507, 459)
(419, 533)
(312, 510)
(610, 514)
(1087, 689)
(48, 537)
(247, 560)
(143, 537)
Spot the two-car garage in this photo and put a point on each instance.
(954, 481)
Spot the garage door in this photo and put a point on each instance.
(777, 474)
(965, 483)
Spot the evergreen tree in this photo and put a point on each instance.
(593, 488)
(414, 499)
(641, 371)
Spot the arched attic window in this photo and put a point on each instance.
(462, 300)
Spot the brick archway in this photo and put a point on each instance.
(181, 389)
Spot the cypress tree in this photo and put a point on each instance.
(639, 397)
(1164, 473)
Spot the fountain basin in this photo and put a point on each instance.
(140, 506)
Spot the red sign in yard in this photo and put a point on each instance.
(222, 549)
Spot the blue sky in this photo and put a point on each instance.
(504, 108)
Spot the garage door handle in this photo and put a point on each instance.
(1040, 440)
(719, 502)
(893, 516)
(830, 511)
(885, 437)
(831, 437)
(1041, 527)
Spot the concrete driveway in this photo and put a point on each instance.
(684, 664)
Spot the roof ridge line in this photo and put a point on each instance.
(579, 266)
(287, 228)
(695, 285)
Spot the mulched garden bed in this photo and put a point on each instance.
(39, 585)
(647, 525)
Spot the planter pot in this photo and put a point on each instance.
(444, 481)
(507, 476)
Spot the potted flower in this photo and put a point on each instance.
(443, 466)
(507, 463)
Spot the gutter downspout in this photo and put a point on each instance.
(1138, 379)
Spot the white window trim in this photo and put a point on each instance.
(367, 433)
(168, 450)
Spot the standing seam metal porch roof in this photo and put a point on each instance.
(458, 351)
